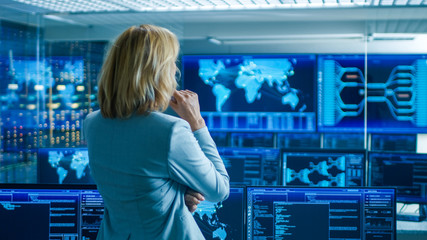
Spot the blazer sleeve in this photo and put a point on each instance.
(194, 161)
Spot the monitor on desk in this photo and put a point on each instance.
(37, 211)
(405, 171)
(58, 211)
(321, 213)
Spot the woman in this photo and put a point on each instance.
(143, 161)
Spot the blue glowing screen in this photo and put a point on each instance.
(265, 92)
(223, 220)
(56, 82)
(405, 171)
(323, 168)
(252, 166)
(320, 213)
(63, 166)
(396, 93)
(50, 212)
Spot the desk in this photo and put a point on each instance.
(407, 230)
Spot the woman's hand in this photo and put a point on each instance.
(186, 104)
(192, 199)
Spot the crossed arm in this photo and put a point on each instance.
(185, 103)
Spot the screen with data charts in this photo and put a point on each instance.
(252, 166)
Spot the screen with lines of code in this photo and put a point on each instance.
(49, 212)
(320, 213)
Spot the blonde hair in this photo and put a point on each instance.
(138, 74)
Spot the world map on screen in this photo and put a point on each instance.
(208, 221)
(72, 166)
(250, 75)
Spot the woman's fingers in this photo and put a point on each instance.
(186, 105)
(192, 199)
(197, 195)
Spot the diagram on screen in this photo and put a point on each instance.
(396, 94)
(321, 172)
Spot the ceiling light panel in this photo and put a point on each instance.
(415, 2)
(400, 2)
(74, 6)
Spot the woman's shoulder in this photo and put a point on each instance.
(161, 122)
(93, 115)
(165, 118)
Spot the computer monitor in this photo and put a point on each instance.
(323, 168)
(63, 166)
(37, 211)
(223, 220)
(252, 166)
(392, 90)
(252, 140)
(254, 92)
(405, 171)
(321, 213)
(397, 93)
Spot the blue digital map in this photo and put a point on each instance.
(250, 75)
(253, 92)
(64, 167)
(207, 218)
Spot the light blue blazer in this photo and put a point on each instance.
(143, 166)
